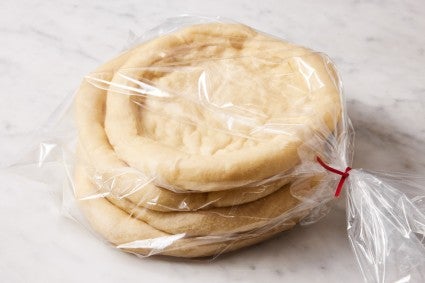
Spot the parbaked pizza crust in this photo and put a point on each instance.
(194, 134)
(289, 87)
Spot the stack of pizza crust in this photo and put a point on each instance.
(187, 142)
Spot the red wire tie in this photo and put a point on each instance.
(344, 175)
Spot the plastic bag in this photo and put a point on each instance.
(204, 137)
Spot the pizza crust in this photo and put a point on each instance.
(134, 235)
(187, 141)
(220, 160)
(106, 166)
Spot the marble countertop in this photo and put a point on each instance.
(46, 48)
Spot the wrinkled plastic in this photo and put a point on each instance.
(200, 215)
(386, 226)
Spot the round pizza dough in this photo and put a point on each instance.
(188, 140)
(175, 128)
(115, 176)
(211, 221)
(134, 235)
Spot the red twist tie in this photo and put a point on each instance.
(343, 175)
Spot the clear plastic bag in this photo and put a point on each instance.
(203, 137)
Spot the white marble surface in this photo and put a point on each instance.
(47, 46)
